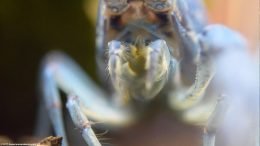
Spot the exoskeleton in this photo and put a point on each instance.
(148, 49)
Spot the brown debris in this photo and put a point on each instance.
(51, 141)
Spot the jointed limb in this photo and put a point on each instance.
(53, 104)
(191, 14)
(60, 72)
(236, 76)
(209, 45)
(228, 80)
(188, 41)
(183, 98)
(213, 123)
(81, 121)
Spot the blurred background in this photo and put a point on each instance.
(30, 28)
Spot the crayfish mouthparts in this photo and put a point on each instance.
(139, 70)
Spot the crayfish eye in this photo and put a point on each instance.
(116, 7)
(158, 5)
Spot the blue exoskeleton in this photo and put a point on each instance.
(153, 49)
